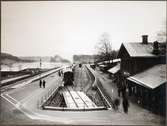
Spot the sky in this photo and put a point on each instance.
(48, 28)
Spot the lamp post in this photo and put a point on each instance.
(40, 67)
(40, 63)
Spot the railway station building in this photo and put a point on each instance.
(142, 72)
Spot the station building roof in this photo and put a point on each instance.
(135, 49)
(111, 61)
(151, 78)
(114, 69)
(102, 65)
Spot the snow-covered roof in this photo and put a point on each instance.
(139, 49)
(102, 65)
(152, 77)
(114, 69)
(111, 61)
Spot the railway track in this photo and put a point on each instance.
(97, 83)
(78, 98)
(24, 81)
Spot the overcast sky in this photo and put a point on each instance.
(67, 28)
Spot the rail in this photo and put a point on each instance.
(82, 99)
(72, 97)
(14, 80)
(100, 88)
(90, 77)
(73, 109)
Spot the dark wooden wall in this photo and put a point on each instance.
(136, 65)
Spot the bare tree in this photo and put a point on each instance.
(104, 48)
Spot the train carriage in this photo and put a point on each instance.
(68, 77)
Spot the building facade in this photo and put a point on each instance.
(137, 59)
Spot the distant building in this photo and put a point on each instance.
(105, 67)
(83, 58)
(137, 60)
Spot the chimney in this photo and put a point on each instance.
(144, 39)
(156, 48)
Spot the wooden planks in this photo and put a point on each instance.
(77, 99)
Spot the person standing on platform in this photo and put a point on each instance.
(40, 83)
(44, 83)
(59, 73)
(123, 90)
(125, 104)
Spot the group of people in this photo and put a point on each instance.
(60, 73)
(122, 90)
(42, 83)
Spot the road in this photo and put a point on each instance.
(21, 106)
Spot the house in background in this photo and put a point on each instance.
(140, 60)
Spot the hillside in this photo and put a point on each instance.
(7, 59)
